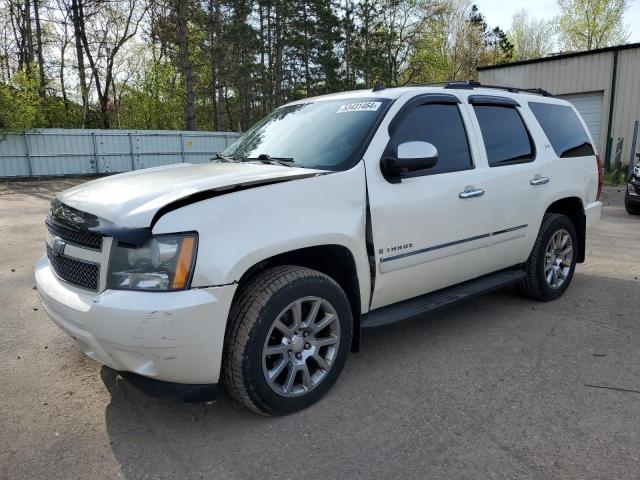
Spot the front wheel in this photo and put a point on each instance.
(552, 262)
(287, 341)
(632, 208)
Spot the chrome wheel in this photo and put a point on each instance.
(558, 259)
(301, 346)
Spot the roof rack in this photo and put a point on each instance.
(471, 84)
(378, 86)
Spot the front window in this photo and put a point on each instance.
(442, 126)
(325, 134)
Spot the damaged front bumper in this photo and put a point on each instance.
(174, 337)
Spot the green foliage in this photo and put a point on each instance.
(454, 42)
(20, 107)
(154, 98)
(223, 64)
(531, 38)
(591, 24)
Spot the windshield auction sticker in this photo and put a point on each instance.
(359, 107)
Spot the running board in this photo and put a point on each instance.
(418, 306)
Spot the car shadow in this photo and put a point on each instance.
(407, 383)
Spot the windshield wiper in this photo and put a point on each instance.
(266, 158)
(223, 158)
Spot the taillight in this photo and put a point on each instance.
(599, 160)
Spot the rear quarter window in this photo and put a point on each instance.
(563, 128)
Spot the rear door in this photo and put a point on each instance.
(517, 186)
(427, 233)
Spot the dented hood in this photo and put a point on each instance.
(132, 199)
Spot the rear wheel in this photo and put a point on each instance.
(631, 207)
(288, 338)
(552, 262)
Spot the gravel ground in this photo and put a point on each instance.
(499, 387)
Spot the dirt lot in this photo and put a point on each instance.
(500, 387)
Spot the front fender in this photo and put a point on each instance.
(240, 229)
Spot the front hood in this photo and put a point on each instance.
(132, 199)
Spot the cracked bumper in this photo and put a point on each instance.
(170, 336)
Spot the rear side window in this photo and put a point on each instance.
(563, 129)
(505, 136)
(442, 126)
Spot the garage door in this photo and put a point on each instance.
(590, 107)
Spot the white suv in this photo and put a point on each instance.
(332, 214)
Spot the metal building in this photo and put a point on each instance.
(603, 84)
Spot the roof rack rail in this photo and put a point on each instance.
(378, 86)
(471, 84)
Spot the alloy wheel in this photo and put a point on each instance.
(558, 258)
(301, 346)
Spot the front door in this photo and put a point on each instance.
(429, 231)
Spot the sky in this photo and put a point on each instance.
(499, 13)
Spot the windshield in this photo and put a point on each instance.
(322, 134)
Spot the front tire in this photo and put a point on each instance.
(630, 207)
(552, 262)
(287, 340)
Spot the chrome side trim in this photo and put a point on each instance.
(451, 244)
(435, 247)
(506, 230)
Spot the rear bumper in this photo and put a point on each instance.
(170, 336)
(593, 212)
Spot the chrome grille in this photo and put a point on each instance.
(77, 272)
(75, 237)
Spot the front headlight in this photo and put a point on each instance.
(636, 170)
(164, 262)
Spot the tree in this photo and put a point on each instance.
(467, 41)
(6, 44)
(591, 24)
(531, 38)
(19, 103)
(77, 17)
(223, 64)
(104, 30)
(454, 40)
(20, 20)
(60, 22)
(39, 47)
(401, 23)
(154, 97)
(185, 62)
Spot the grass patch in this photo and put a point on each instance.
(615, 178)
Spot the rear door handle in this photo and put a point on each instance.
(539, 180)
(471, 192)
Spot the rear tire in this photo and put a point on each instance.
(631, 208)
(287, 340)
(552, 262)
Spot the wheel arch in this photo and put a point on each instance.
(573, 208)
(336, 261)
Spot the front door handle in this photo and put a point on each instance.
(471, 192)
(539, 180)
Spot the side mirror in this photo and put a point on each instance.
(411, 157)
